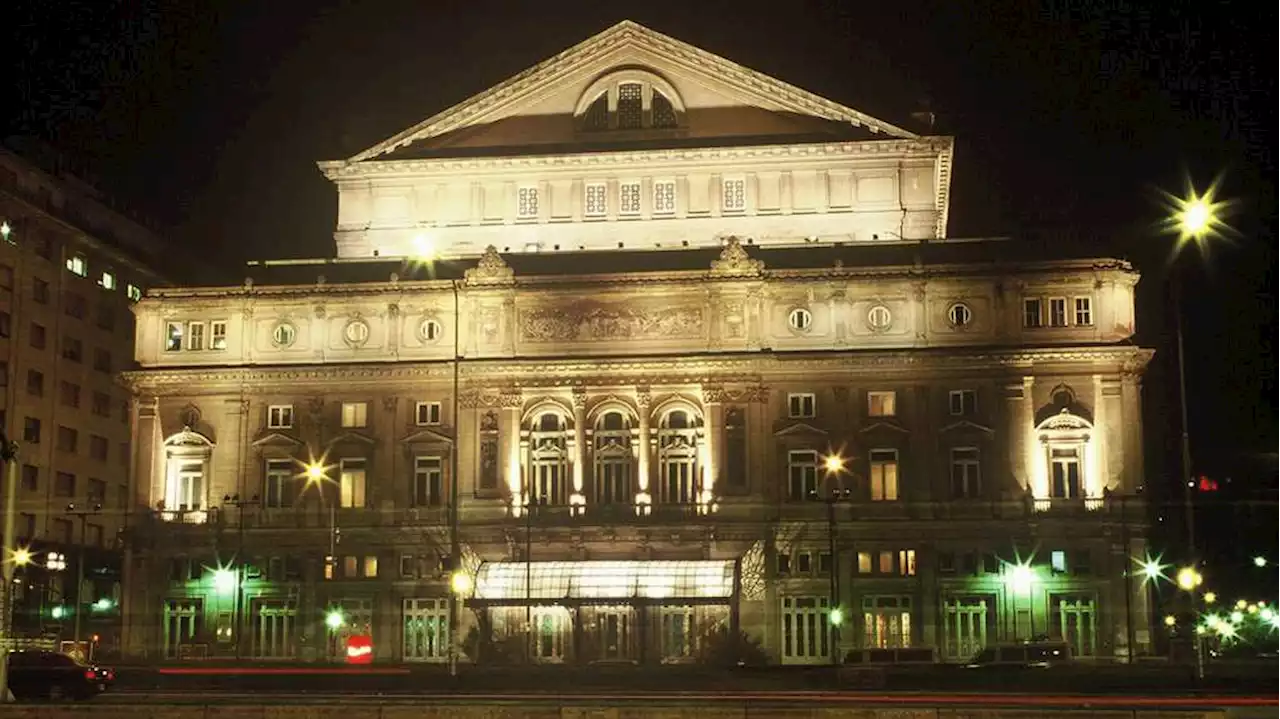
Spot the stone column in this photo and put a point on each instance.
(148, 465)
(509, 441)
(713, 411)
(643, 497)
(1131, 447)
(578, 500)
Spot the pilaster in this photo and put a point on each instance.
(713, 411)
(577, 499)
(509, 441)
(147, 482)
(643, 452)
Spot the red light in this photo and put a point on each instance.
(360, 649)
(1208, 485)
(90, 674)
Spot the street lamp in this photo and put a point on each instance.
(834, 466)
(1021, 578)
(242, 569)
(84, 515)
(1188, 579)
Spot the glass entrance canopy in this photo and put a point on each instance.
(702, 579)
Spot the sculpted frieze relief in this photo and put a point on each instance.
(587, 320)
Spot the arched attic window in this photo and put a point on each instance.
(630, 100)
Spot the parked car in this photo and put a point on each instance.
(1033, 655)
(42, 674)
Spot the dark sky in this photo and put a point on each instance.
(1069, 116)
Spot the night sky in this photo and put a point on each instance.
(1070, 117)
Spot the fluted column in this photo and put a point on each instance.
(644, 500)
(577, 500)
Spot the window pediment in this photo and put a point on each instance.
(427, 437)
(1065, 421)
(799, 428)
(884, 426)
(965, 425)
(349, 437)
(190, 439)
(275, 439)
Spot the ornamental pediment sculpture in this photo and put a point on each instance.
(735, 262)
(492, 270)
(593, 320)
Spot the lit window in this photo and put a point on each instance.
(965, 473)
(195, 336)
(800, 405)
(355, 415)
(959, 315)
(963, 402)
(879, 318)
(629, 198)
(1058, 561)
(664, 197)
(280, 416)
(173, 337)
(218, 335)
(886, 622)
(77, 265)
(596, 204)
(351, 480)
(108, 281)
(527, 203)
(134, 292)
(907, 562)
(284, 335)
(734, 198)
(371, 567)
(800, 319)
(1084, 311)
(882, 404)
(426, 413)
(1057, 312)
(1032, 314)
(884, 475)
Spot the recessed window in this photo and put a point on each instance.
(734, 195)
(527, 203)
(965, 473)
(280, 416)
(426, 413)
(218, 335)
(195, 336)
(879, 318)
(77, 264)
(1057, 312)
(1065, 475)
(40, 291)
(882, 404)
(959, 315)
(801, 405)
(596, 204)
(629, 198)
(430, 330)
(108, 281)
(173, 336)
(963, 402)
(1084, 311)
(284, 335)
(428, 481)
(134, 292)
(1032, 313)
(664, 197)
(356, 332)
(802, 475)
(883, 474)
(355, 415)
(800, 319)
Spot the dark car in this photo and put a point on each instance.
(40, 674)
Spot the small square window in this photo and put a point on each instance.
(218, 335)
(39, 336)
(734, 198)
(963, 402)
(824, 564)
(355, 415)
(108, 281)
(408, 566)
(800, 406)
(629, 198)
(804, 563)
(1084, 311)
(280, 416)
(426, 413)
(527, 203)
(596, 205)
(882, 404)
(1058, 561)
(664, 197)
(77, 264)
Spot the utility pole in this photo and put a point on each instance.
(83, 515)
(9, 454)
(455, 545)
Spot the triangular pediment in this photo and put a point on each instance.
(798, 428)
(425, 435)
(277, 439)
(881, 425)
(740, 100)
(965, 425)
(349, 437)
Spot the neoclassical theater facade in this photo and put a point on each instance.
(640, 356)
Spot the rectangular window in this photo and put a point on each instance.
(784, 565)
(40, 291)
(77, 264)
(351, 482)
(280, 416)
(1057, 312)
(965, 473)
(886, 622)
(1058, 561)
(134, 292)
(734, 198)
(428, 481)
(39, 337)
(802, 471)
(963, 402)
(426, 413)
(1065, 465)
(173, 336)
(101, 360)
(906, 566)
(74, 305)
(355, 415)
(108, 281)
(99, 447)
(527, 203)
(218, 335)
(664, 197)
(68, 438)
(72, 349)
(6, 278)
(884, 475)
(6, 324)
(1084, 311)
(64, 484)
(806, 636)
(596, 205)
(278, 491)
(370, 567)
(97, 492)
(195, 335)
(101, 404)
(800, 406)
(61, 530)
(31, 430)
(30, 478)
(1032, 314)
(69, 394)
(629, 198)
(882, 404)
(35, 383)
(26, 526)
(186, 494)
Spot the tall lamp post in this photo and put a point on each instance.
(83, 515)
(9, 455)
(237, 620)
(833, 465)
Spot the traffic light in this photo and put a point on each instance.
(1207, 485)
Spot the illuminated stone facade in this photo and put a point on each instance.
(641, 440)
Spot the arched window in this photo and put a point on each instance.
(632, 99)
(678, 457)
(548, 465)
(186, 490)
(613, 459)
